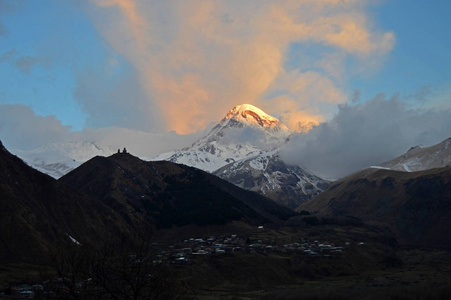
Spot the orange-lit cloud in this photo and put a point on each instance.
(197, 59)
(288, 112)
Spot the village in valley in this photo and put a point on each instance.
(184, 252)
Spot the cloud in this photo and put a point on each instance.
(287, 111)
(8, 55)
(194, 60)
(366, 134)
(6, 7)
(354, 38)
(3, 30)
(110, 95)
(422, 95)
(23, 63)
(249, 135)
(21, 128)
(140, 143)
(303, 99)
(355, 97)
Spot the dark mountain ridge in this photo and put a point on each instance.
(415, 206)
(166, 194)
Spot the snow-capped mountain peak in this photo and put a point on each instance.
(246, 125)
(245, 131)
(251, 115)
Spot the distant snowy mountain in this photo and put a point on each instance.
(422, 158)
(246, 131)
(267, 174)
(58, 159)
(243, 149)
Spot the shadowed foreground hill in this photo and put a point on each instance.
(415, 206)
(112, 197)
(37, 213)
(167, 194)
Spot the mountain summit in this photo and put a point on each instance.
(251, 115)
(244, 132)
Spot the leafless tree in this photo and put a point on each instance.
(125, 268)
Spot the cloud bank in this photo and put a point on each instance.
(366, 134)
(22, 129)
(194, 60)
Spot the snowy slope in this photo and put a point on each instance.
(267, 174)
(58, 159)
(422, 158)
(194, 158)
(245, 131)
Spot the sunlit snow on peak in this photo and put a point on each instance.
(251, 115)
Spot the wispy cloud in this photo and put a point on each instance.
(5, 7)
(8, 55)
(197, 59)
(23, 63)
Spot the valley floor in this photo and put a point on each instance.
(423, 275)
(371, 265)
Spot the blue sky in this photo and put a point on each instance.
(162, 66)
(63, 42)
(421, 56)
